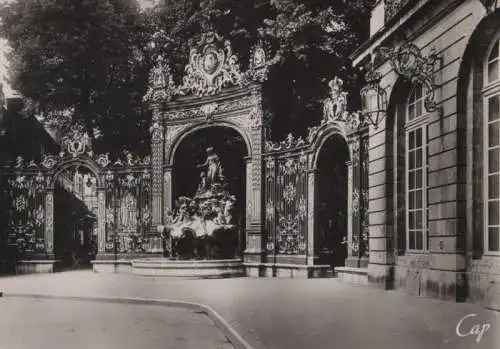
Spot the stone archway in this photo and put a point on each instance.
(231, 147)
(352, 133)
(56, 183)
(332, 178)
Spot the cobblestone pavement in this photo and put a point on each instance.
(47, 323)
(292, 313)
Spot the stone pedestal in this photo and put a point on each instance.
(36, 266)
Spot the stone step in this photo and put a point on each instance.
(288, 271)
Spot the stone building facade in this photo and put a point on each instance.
(434, 92)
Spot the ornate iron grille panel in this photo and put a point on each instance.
(286, 203)
(365, 231)
(128, 211)
(111, 212)
(26, 225)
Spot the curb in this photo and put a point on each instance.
(227, 330)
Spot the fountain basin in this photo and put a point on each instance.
(222, 268)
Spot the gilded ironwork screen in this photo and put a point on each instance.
(286, 203)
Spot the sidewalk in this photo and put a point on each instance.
(288, 313)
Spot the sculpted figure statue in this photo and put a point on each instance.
(202, 187)
(214, 171)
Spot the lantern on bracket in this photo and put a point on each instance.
(409, 63)
(374, 99)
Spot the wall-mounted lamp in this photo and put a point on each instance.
(409, 63)
(374, 99)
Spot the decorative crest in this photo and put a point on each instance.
(208, 110)
(76, 142)
(212, 66)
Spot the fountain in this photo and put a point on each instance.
(202, 227)
(201, 237)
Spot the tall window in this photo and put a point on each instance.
(491, 139)
(416, 174)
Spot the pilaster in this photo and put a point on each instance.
(254, 222)
(157, 155)
(312, 220)
(49, 221)
(167, 190)
(350, 175)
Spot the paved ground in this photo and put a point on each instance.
(42, 323)
(291, 313)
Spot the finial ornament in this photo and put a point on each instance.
(335, 105)
(161, 84)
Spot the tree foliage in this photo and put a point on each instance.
(313, 38)
(81, 61)
(88, 60)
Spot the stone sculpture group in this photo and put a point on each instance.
(202, 226)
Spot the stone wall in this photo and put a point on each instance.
(444, 270)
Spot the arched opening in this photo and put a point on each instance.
(75, 217)
(191, 154)
(332, 201)
(478, 95)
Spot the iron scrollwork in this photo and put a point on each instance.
(289, 239)
(408, 61)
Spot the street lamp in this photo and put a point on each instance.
(374, 99)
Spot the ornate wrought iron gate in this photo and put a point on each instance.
(286, 203)
(123, 200)
(291, 186)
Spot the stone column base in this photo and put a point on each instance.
(251, 256)
(381, 276)
(356, 262)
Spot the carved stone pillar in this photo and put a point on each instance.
(157, 138)
(312, 212)
(101, 220)
(49, 223)
(254, 223)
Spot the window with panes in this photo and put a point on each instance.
(416, 174)
(491, 139)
